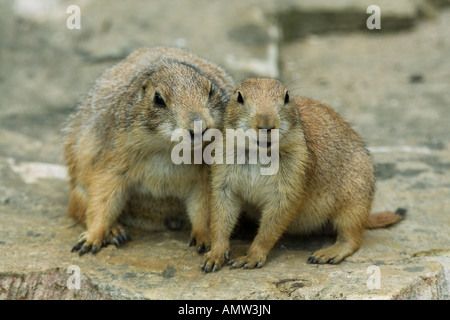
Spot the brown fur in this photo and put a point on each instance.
(325, 175)
(118, 144)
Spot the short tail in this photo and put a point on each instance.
(385, 218)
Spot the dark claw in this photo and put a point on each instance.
(193, 242)
(116, 242)
(118, 238)
(216, 267)
(320, 260)
(314, 260)
(83, 250)
(78, 246)
(213, 268)
(204, 268)
(201, 248)
(124, 237)
(95, 249)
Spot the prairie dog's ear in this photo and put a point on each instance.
(286, 97)
(240, 99)
(144, 87)
(146, 82)
(211, 90)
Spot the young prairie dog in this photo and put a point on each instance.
(325, 175)
(118, 143)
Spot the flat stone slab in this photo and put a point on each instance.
(410, 260)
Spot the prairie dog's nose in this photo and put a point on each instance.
(266, 127)
(192, 132)
(266, 121)
(198, 125)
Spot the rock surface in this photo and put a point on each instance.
(391, 84)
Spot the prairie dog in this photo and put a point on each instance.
(118, 143)
(325, 175)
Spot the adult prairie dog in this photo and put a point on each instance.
(325, 175)
(118, 143)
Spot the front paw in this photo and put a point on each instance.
(213, 261)
(94, 241)
(87, 242)
(248, 261)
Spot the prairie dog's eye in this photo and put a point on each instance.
(286, 97)
(159, 101)
(240, 99)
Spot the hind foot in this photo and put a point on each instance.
(334, 254)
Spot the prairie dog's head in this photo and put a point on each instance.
(175, 95)
(262, 105)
